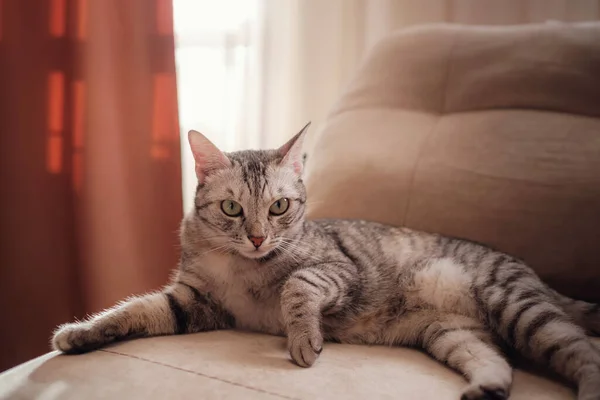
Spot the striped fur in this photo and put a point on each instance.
(350, 282)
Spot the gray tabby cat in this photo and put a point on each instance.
(251, 261)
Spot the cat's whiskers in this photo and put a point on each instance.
(296, 243)
(297, 249)
(218, 248)
(290, 254)
(203, 242)
(294, 250)
(206, 238)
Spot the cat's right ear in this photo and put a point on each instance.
(207, 156)
(292, 151)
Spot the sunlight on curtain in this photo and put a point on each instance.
(217, 57)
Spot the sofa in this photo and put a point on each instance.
(485, 133)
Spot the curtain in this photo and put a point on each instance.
(90, 172)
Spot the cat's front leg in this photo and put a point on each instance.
(179, 308)
(304, 297)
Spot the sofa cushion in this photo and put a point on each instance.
(234, 365)
(486, 133)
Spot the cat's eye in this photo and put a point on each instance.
(231, 208)
(279, 207)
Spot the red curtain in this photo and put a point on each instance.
(90, 173)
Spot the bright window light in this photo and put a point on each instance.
(214, 49)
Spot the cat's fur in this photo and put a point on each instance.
(347, 281)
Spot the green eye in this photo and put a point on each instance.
(231, 208)
(279, 207)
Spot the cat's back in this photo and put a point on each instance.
(355, 229)
(372, 242)
(385, 256)
(393, 243)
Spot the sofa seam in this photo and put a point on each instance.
(216, 378)
(442, 112)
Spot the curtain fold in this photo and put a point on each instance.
(90, 172)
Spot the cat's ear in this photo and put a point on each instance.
(292, 151)
(207, 156)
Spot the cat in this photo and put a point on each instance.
(251, 261)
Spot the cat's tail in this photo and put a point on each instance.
(586, 315)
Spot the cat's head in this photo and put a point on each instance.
(250, 202)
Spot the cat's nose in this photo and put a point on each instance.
(257, 240)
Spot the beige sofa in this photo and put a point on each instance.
(491, 134)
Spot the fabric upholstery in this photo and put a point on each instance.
(233, 365)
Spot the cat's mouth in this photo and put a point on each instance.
(257, 253)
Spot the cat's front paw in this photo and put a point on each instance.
(79, 337)
(305, 346)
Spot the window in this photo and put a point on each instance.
(217, 58)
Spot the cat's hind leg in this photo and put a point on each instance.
(464, 344)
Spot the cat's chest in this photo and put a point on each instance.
(253, 311)
(255, 307)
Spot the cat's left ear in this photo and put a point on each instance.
(292, 151)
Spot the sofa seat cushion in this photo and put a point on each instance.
(236, 365)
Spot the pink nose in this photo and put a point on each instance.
(256, 240)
